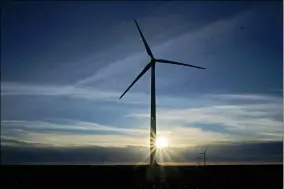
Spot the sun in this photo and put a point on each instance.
(162, 142)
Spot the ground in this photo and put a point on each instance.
(253, 176)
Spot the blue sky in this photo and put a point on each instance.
(64, 66)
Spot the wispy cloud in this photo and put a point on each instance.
(197, 38)
(70, 126)
(259, 121)
(255, 114)
(96, 94)
(86, 93)
(73, 91)
(69, 134)
(245, 97)
(237, 116)
(115, 69)
(85, 133)
(259, 118)
(21, 89)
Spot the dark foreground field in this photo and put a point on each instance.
(254, 176)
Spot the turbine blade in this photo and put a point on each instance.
(177, 63)
(144, 41)
(137, 78)
(205, 149)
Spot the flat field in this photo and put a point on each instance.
(129, 176)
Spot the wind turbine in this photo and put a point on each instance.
(204, 156)
(152, 64)
(198, 160)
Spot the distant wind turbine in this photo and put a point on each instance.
(151, 64)
(103, 160)
(204, 155)
(198, 161)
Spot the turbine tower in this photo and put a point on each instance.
(152, 64)
(204, 156)
(198, 160)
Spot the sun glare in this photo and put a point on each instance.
(162, 142)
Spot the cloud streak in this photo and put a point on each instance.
(237, 116)
(198, 38)
(86, 93)
(76, 133)
(23, 89)
(69, 133)
(260, 120)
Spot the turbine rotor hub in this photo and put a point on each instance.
(153, 60)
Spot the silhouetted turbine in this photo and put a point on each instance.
(151, 64)
(204, 156)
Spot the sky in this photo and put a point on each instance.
(64, 66)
